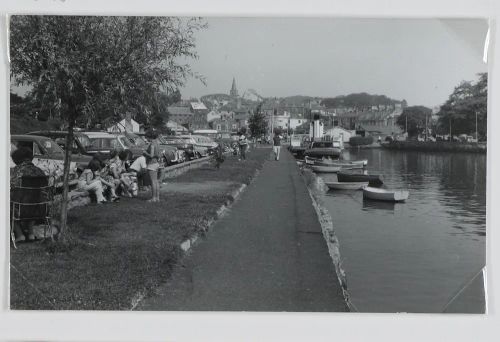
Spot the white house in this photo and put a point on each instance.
(126, 125)
(339, 133)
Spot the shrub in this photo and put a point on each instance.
(359, 140)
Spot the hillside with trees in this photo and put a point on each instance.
(359, 101)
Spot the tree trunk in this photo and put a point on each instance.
(61, 235)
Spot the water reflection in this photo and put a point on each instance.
(412, 256)
(369, 205)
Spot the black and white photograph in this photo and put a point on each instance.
(248, 164)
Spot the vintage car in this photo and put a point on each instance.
(200, 150)
(205, 141)
(171, 154)
(104, 142)
(180, 144)
(48, 156)
(324, 149)
(80, 140)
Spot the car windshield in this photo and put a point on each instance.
(51, 146)
(110, 143)
(84, 140)
(126, 141)
(136, 140)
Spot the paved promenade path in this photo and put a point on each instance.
(266, 254)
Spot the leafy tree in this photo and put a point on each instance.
(257, 122)
(85, 69)
(468, 101)
(415, 117)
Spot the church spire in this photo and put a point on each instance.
(233, 92)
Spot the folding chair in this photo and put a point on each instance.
(31, 201)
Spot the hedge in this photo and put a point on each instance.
(359, 140)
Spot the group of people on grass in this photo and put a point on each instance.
(120, 175)
(107, 178)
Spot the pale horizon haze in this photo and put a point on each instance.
(420, 60)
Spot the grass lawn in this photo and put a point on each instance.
(118, 251)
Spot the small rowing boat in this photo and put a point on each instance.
(346, 185)
(345, 166)
(325, 169)
(373, 180)
(378, 194)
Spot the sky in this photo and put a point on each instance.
(420, 60)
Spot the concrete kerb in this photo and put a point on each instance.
(315, 186)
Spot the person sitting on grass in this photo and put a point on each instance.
(107, 178)
(118, 168)
(88, 180)
(23, 159)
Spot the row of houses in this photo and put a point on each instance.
(195, 115)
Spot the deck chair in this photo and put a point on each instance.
(31, 201)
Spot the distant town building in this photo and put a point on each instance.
(199, 118)
(339, 133)
(182, 115)
(376, 122)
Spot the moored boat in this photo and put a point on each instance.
(346, 185)
(378, 194)
(373, 180)
(342, 165)
(325, 169)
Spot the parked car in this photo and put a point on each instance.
(180, 144)
(205, 141)
(199, 150)
(324, 149)
(80, 141)
(104, 143)
(173, 155)
(48, 156)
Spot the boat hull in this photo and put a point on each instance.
(346, 185)
(377, 194)
(373, 180)
(332, 152)
(325, 169)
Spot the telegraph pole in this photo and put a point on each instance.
(425, 126)
(476, 127)
(450, 128)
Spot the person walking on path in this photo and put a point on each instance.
(277, 145)
(153, 155)
(243, 145)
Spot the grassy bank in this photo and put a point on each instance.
(121, 251)
(438, 146)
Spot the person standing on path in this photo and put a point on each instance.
(277, 145)
(153, 155)
(243, 145)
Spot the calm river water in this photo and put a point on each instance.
(414, 256)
